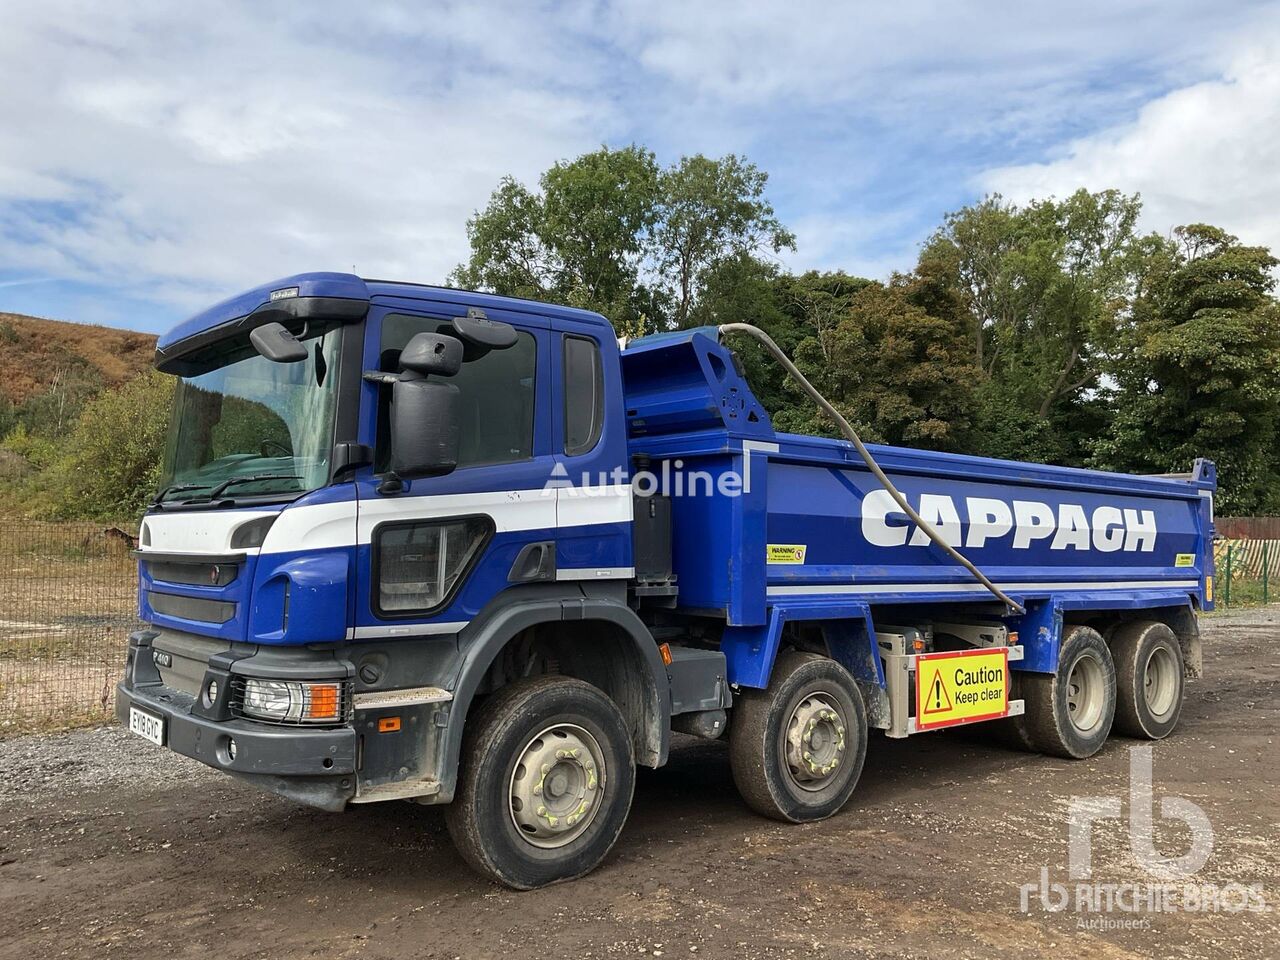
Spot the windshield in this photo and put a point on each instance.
(245, 426)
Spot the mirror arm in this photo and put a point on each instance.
(379, 376)
(349, 457)
(391, 484)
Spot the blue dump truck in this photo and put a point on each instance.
(423, 544)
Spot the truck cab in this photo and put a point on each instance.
(317, 622)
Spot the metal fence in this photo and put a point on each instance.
(1247, 570)
(1248, 528)
(68, 599)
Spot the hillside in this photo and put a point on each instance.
(35, 351)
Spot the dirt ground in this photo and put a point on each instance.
(111, 847)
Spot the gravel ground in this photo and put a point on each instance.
(69, 764)
(111, 847)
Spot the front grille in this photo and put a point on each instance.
(346, 705)
(191, 608)
(199, 573)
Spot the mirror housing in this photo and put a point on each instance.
(480, 334)
(277, 344)
(424, 427)
(428, 353)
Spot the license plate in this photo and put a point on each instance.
(146, 725)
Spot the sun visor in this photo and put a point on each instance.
(293, 301)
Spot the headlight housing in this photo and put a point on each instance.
(292, 701)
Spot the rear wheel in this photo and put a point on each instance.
(797, 748)
(545, 784)
(1149, 675)
(1070, 713)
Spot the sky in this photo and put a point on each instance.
(157, 157)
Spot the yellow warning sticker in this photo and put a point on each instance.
(786, 552)
(961, 687)
(1185, 560)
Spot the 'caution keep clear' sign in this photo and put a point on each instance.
(962, 686)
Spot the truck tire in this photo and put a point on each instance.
(1149, 679)
(1010, 732)
(1069, 714)
(545, 782)
(797, 748)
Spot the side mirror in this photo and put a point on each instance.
(277, 344)
(428, 353)
(424, 427)
(480, 334)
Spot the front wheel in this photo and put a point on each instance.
(547, 773)
(797, 748)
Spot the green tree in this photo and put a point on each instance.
(580, 241)
(1043, 285)
(745, 289)
(612, 232)
(799, 312)
(709, 212)
(900, 373)
(1196, 368)
(110, 464)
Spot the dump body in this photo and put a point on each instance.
(814, 535)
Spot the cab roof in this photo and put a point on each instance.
(355, 290)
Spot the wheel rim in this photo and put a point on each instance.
(557, 785)
(1160, 682)
(814, 741)
(1086, 693)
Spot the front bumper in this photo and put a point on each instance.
(312, 766)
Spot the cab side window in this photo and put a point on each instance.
(496, 395)
(583, 395)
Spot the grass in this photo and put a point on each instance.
(1246, 593)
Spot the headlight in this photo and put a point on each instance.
(293, 701)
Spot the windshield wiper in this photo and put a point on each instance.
(176, 488)
(232, 481)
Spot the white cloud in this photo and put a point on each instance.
(1207, 152)
(186, 153)
(951, 65)
(180, 152)
(865, 246)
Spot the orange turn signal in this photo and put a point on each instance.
(323, 701)
(665, 650)
(388, 724)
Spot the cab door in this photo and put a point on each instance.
(432, 553)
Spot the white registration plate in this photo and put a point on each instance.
(146, 725)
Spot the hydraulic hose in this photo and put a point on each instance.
(852, 436)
